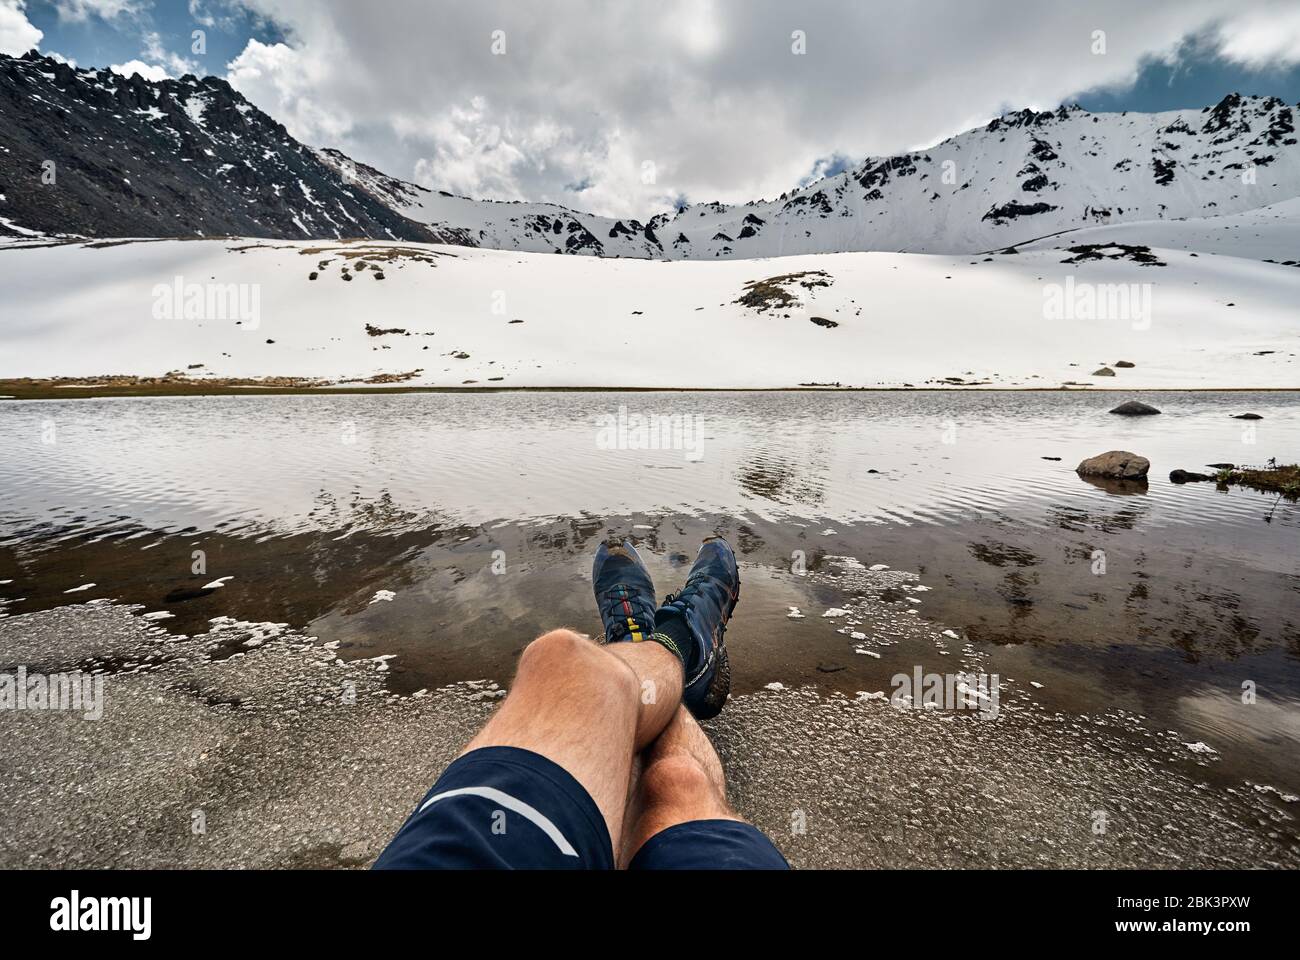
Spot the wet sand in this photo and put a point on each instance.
(288, 774)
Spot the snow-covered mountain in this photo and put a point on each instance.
(1023, 176)
(192, 157)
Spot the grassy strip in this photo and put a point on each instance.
(1284, 479)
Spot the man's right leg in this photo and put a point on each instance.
(683, 820)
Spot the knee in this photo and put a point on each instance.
(557, 647)
(679, 778)
(573, 658)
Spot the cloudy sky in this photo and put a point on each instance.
(624, 107)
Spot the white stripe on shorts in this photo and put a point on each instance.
(510, 803)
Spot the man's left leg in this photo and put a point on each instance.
(680, 818)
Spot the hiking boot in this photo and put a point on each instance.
(696, 619)
(625, 593)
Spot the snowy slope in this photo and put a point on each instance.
(446, 316)
(1023, 176)
(1271, 234)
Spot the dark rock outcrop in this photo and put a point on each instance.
(93, 153)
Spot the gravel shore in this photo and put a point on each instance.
(286, 756)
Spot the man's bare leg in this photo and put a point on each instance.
(590, 709)
(681, 780)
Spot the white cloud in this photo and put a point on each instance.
(1263, 37)
(155, 51)
(708, 91)
(294, 87)
(147, 71)
(200, 15)
(17, 34)
(79, 11)
(159, 63)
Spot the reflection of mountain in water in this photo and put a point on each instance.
(783, 479)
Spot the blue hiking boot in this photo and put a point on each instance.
(625, 593)
(695, 620)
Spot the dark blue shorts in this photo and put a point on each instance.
(506, 808)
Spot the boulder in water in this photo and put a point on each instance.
(1115, 464)
(1135, 408)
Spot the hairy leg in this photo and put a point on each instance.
(590, 709)
(681, 779)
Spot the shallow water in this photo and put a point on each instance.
(480, 513)
(286, 464)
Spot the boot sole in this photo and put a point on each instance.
(719, 689)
